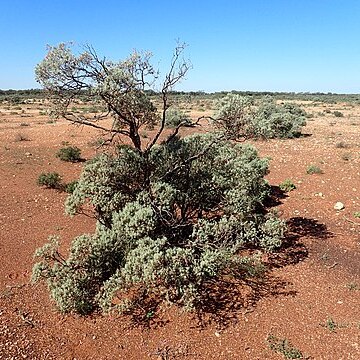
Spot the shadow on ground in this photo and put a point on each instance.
(275, 197)
(225, 300)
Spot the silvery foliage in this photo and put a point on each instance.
(119, 86)
(171, 238)
(241, 117)
(175, 116)
(171, 218)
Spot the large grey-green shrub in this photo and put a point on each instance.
(241, 117)
(172, 216)
(172, 235)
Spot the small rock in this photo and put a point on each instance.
(217, 334)
(339, 206)
(28, 154)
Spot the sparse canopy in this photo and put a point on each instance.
(121, 87)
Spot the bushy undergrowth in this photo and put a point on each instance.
(70, 187)
(287, 185)
(175, 117)
(169, 233)
(69, 153)
(242, 117)
(313, 169)
(50, 180)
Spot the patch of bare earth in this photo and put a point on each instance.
(310, 295)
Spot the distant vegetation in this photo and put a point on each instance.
(19, 96)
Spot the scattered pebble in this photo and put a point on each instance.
(339, 206)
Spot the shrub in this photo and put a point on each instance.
(235, 116)
(174, 215)
(331, 324)
(169, 239)
(70, 187)
(342, 145)
(284, 347)
(278, 121)
(287, 185)
(313, 169)
(69, 153)
(50, 180)
(338, 114)
(174, 117)
(239, 117)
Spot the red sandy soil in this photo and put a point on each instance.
(312, 284)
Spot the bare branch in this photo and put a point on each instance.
(173, 77)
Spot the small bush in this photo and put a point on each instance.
(338, 114)
(284, 347)
(69, 153)
(331, 324)
(314, 169)
(163, 240)
(50, 180)
(357, 214)
(70, 187)
(174, 117)
(287, 185)
(240, 117)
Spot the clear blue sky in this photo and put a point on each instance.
(276, 45)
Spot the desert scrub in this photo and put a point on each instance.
(287, 185)
(331, 324)
(346, 156)
(342, 145)
(313, 169)
(166, 239)
(51, 180)
(70, 187)
(338, 114)
(173, 214)
(21, 137)
(174, 117)
(284, 347)
(242, 117)
(69, 153)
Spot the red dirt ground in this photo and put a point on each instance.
(310, 295)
